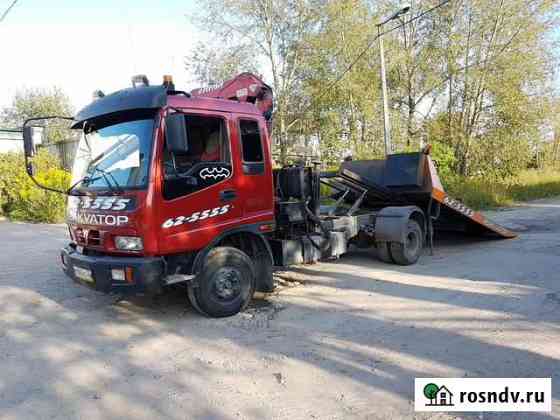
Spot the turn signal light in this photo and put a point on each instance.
(269, 227)
(168, 82)
(129, 274)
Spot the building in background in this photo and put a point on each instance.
(11, 140)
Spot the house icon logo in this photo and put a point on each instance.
(438, 396)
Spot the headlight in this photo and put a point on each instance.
(129, 243)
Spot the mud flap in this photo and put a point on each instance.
(391, 223)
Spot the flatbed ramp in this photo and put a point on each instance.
(455, 215)
(411, 178)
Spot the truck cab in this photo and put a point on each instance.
(160, 179)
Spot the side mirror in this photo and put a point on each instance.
(176, 137)
(31, 136)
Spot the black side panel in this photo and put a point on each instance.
(405, 170)
(293, 182)
(368, 172)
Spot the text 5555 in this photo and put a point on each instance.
(196, 216)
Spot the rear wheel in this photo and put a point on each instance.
(383, 252)
(225, 285)
(407, 253)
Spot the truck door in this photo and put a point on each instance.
(256, 171)
(199, 192)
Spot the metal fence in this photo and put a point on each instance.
(65, 151)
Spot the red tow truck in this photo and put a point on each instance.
(171, 187)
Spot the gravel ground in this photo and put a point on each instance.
(339, 340)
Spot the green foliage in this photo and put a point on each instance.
(483, 193)
(21, 199)
(499, 156)
(269, 34)
(32, 103)
(474, 76)
(444, 159)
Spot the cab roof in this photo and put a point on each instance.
(155, 97)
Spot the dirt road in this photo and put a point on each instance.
(340, 340)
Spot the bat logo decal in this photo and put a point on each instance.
(217, 172)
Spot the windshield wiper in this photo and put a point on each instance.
(116, 188)
(86, 179)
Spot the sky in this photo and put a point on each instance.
(84, 45)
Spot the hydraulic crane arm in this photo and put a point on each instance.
(245, 87)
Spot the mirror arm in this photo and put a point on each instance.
(28, 163)
(38, 184)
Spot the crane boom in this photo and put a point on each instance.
(245, 87)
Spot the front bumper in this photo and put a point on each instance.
(147, 272)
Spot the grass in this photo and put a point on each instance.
(479, 193)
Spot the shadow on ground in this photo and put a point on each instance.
(68, 352)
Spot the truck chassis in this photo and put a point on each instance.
(221, 225)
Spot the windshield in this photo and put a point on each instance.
(117, 155)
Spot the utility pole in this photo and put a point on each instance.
(386, 119)
(385, 97)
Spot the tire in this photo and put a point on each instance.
(225, 285)
(383, 252)
(409, 252)
(263, 273)
(192, 299)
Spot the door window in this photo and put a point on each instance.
(207, 161)
(251, 146)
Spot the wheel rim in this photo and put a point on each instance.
(226, 284)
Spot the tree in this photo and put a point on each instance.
(275, 30)
(496, 68)
(344, 113)
(416, 71)
(212, 64)
(32, 103)
(473, 76)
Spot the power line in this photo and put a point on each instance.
(367, 48)
(10, 7)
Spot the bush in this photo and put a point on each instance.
(21, 199)
(444, 159)
(483, 193)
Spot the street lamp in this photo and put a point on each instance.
(386, 120)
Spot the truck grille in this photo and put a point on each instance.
(88, 237)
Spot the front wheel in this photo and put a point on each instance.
(225, 285)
